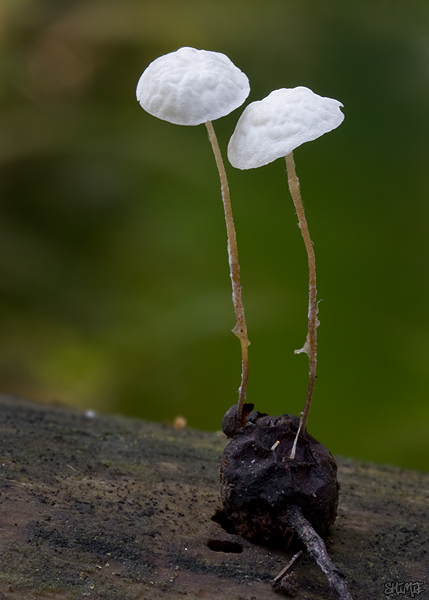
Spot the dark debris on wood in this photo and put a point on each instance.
(119, 509)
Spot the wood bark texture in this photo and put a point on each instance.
(118, 509)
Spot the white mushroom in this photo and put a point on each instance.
(275, 126)
(191, 87)
(268, 130)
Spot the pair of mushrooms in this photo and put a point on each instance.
(191, 87)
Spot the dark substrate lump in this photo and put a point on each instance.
(259, 482)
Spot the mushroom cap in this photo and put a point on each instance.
(190, 87)
(279, 123)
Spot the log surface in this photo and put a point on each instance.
(119, 509)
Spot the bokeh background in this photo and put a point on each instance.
(114, 287)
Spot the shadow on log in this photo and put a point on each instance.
(119, 509)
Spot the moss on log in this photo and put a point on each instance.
(113, 508)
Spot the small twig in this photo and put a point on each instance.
(287, 567)
(317, 550)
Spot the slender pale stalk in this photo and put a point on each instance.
(240, 329)
(310, 346)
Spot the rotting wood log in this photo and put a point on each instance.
(119, 509)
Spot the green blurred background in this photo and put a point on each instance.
(115, 292)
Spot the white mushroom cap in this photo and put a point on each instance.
(190, 87)
(279, 123)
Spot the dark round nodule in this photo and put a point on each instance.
(259, 481)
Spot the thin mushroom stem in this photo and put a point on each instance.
(240, 329)
(310, 346)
